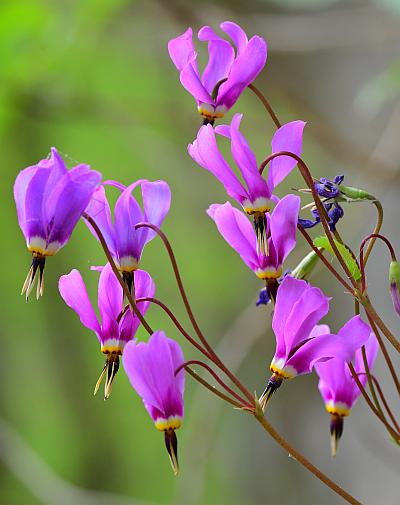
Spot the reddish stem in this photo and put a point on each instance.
(362, 262)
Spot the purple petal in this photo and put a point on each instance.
(99, 210)
(236, 33)
(151, 370)
(289, 138)
(334, 384)
(289, 292)
(237, 230)
(221, 56)
(205, 152)
(284, 225)
(156, 203)
(127, 214)
(110, 301)
(20, 188)
(181, 49)
(192, 83)
(67, 201)
(245, 69)
(73, 291)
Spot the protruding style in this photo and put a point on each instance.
(151, 370)
(117, 325)
(226, 74)
(338, 388)
(50, 200)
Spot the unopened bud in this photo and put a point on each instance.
(394, 279)
(356, 193)
(306, 266)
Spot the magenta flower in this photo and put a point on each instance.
(124, 242)
(337, 386)
(299, 346)
(226, 75)
(50, 200)
(151, 370)
(256, 195)
(280, 230)
(118, 324)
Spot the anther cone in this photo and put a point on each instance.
(171, 443)
(273, 384)
(336, 428)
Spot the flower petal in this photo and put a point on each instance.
(156, 203)
(221, 56)
(99, 210)
(191, 82)
(73, 291)
(205, 152)
(236, 33)
(237, 231)
(110, 301)
(284, 225)
(289, 138)
(181, 49)
(244, 70)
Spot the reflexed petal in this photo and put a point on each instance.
(99, 210)
(73, 291)
(156, 203)
(238, 36)
(221, 56)
(110, 300)
(289, 138)
(284, 225)
(20, 187)
(205, 152)
(289, 292)
(181, 49)
(237, 230)
(35, 220)
(151, 370)
(244, 70)
(127, 214)
(68, 200)
(334, 384)
(57, 168)
(192, 83)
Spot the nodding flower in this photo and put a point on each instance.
(151, 369)
(124, 242)
(337, 386)
(300, 344)
(256, 194)
(237, 230)
(226, 75)
(117, 325)
(50, 199)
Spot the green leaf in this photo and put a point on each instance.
(346, 254)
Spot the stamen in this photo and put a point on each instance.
(273, 384)
(109, 371)
(261, 229)
(336, 428)
(38, 264)
(99, 380)
(171, 443)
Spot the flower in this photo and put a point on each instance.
(118, 324)
(299, 307)
(124, 242)
(337, 386)
(50, 200)
(281, 235)
(334, 212)
(151, 368)
(255, 196)
(226, 75)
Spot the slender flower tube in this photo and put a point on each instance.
(124, 242)
(50, 200)
(150, 368)
(256, 194)
(281, 235)
(299, 346)
(226, 74)
(117, 325)
(337, 386)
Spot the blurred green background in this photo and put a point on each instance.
(93, 78)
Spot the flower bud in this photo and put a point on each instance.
(356, 193)
(306, 266)
(394, 279)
